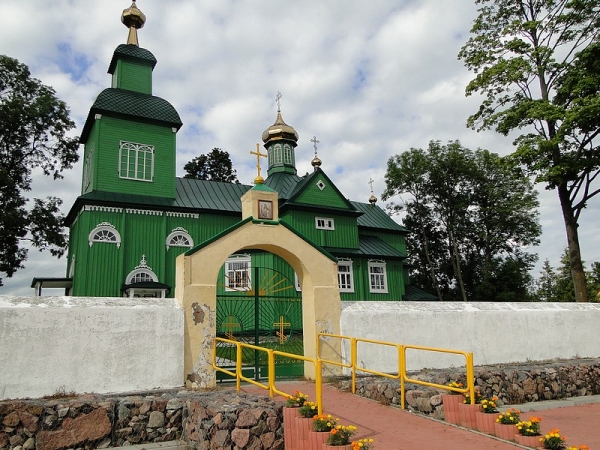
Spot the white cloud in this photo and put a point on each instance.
(369, 79)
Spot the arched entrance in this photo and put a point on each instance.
(259, 306)
(197, 272)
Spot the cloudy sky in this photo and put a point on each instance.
(370, 79)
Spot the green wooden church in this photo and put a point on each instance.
(134, 216)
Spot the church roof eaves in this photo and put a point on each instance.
(375, 217)
(131, 52)
(131, 104)
(369, 246)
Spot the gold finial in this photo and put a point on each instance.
(258, 179)
(133, 19)
(372, 198)
(316, 162)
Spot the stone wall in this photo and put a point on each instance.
(220, 420)
(513, 384)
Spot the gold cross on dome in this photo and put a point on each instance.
(281, 324)
(258, 179)
(371, 181)
(315, 141)
(277, 100)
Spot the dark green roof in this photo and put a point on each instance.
(375, 217)
(209, 195)
(368, 246)
(283, 183)
(191, 196)
(218, 197)
(130, 104)
(414, 294)
(133, 53)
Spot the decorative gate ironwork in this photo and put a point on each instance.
(264, 310)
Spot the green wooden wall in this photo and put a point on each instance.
(344, 234)
(133, 76)
(105, 138)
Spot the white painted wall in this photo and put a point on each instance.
(117, 345)
(88, 345)
(494, 332)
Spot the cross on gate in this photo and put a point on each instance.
(281, 324)
(230, 325)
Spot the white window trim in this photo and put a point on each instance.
(179, 232)
(142, 268)
(374, 289)
(138, 148)
(104, 229)
(349, 274)
(328, 223)
(245, 258)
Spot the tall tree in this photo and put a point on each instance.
(214, 166)
(546, 284)
(533, 61)
(33, 134)
(472, 214)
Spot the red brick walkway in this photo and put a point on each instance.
(394, 429)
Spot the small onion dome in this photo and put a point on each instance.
(133, 19)
(372, 199)
(316, 162)
(279, 130)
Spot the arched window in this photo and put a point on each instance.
(179, 237)
(287, 154)
(141, 273)
(105, 232)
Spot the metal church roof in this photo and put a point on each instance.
(370, 246)
(131, 52)
(375, 217)
(131, 104)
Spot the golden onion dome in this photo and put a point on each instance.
(279, 130)
(316, 162)
(133, 19)
(372, 199)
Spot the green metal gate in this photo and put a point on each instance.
(264, 310)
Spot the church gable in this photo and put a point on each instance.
(318, 190)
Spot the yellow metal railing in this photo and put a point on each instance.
(270, 386)
(401, 364)
(352, 365)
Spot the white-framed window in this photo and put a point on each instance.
(276, 152)
(287, 154)
(136, 161)
(179, 237)
(324, 223)
(297, 283)
(237, 273)
(142, 273)
(345, 275)
(377, 277)
(105, 232)
(321, 185)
